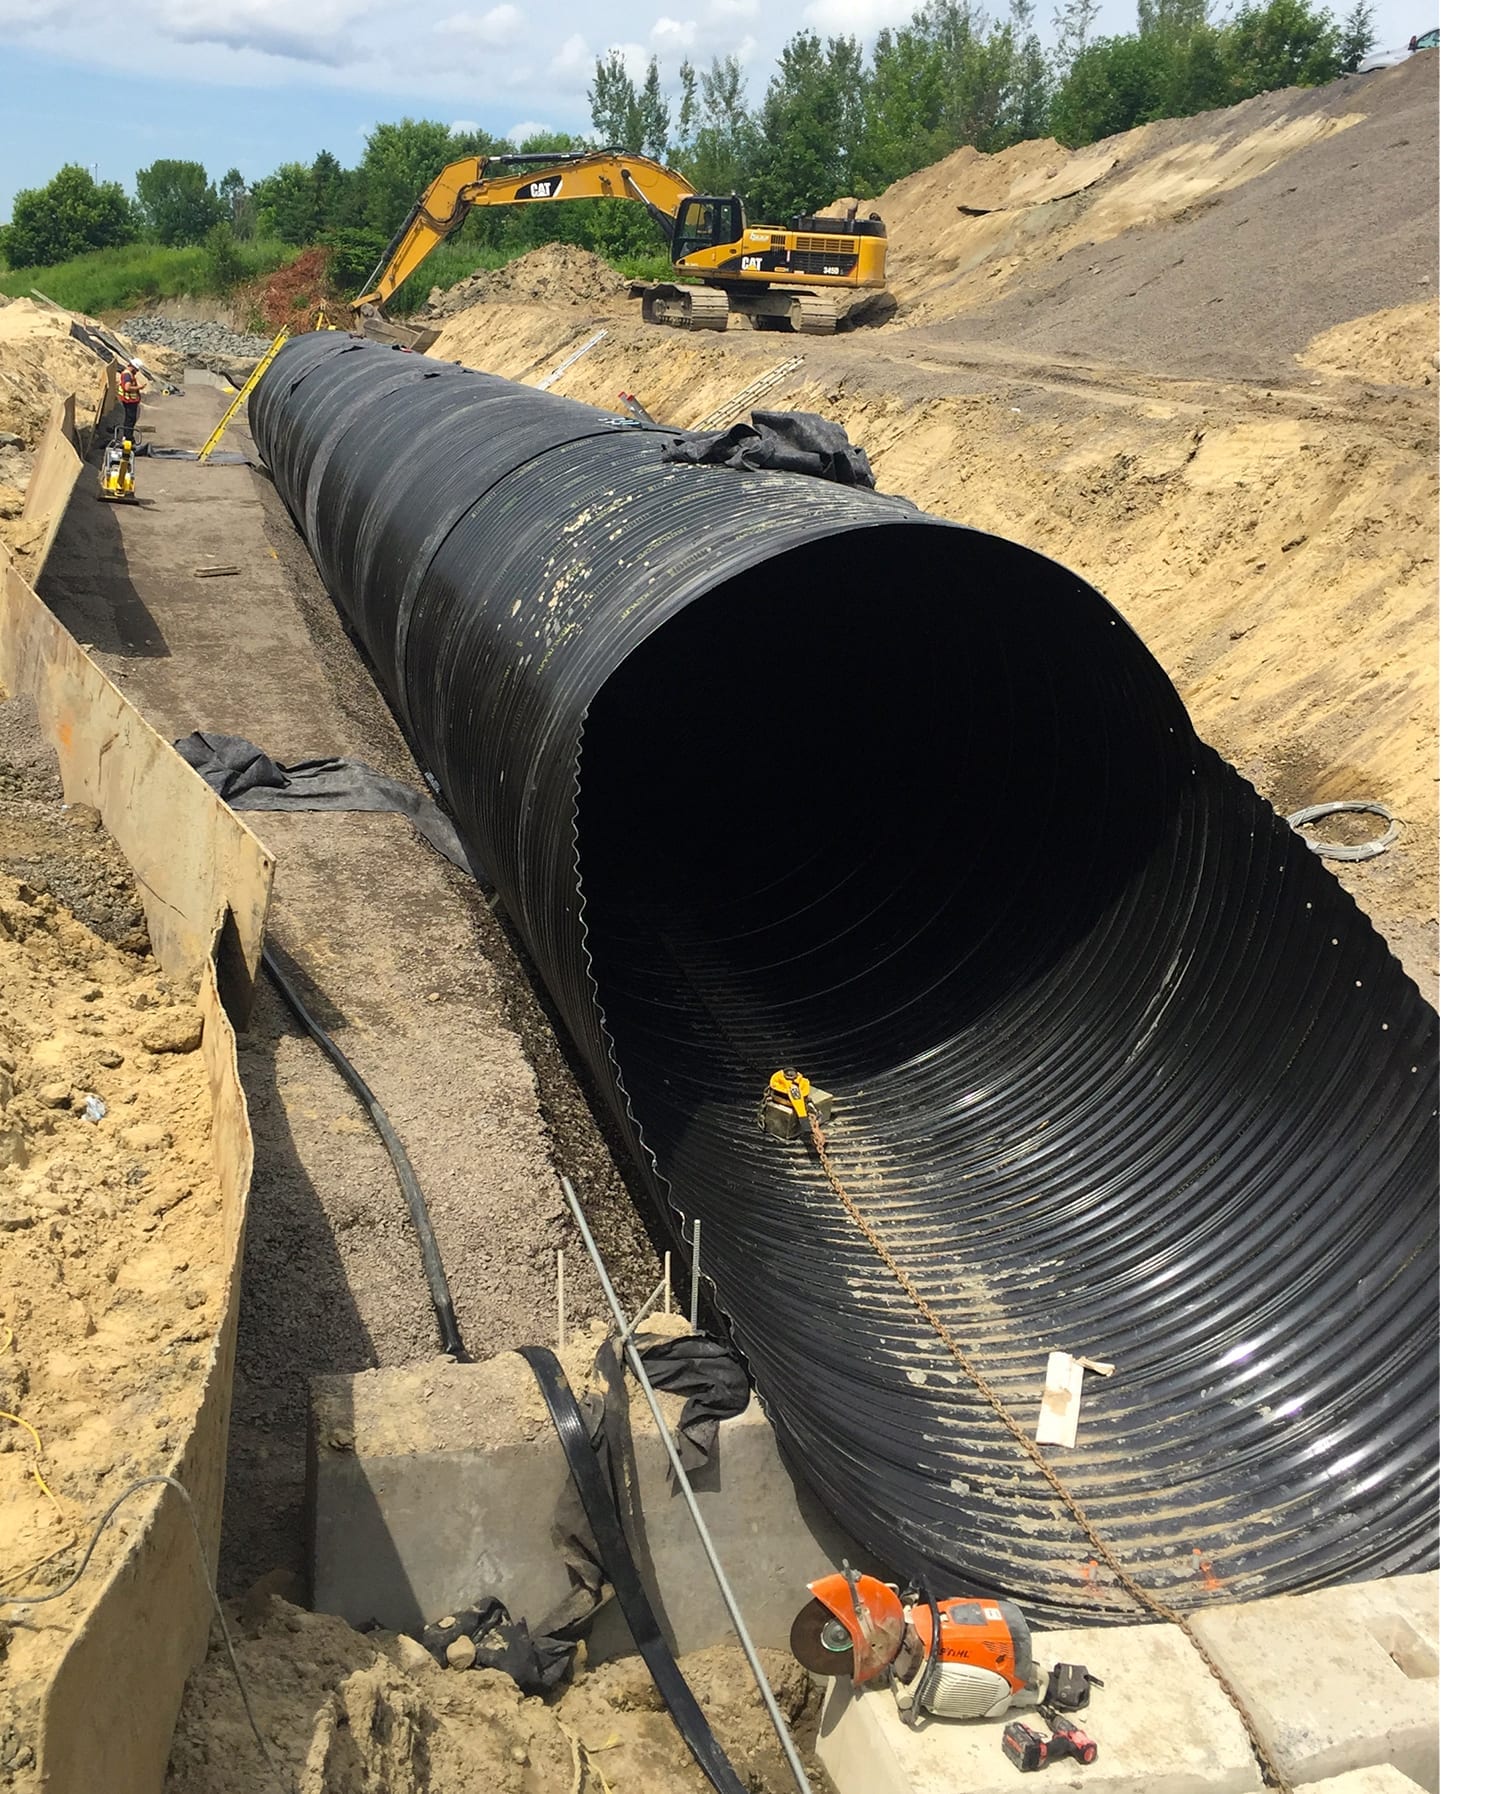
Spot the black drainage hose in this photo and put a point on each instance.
(773, 772)
(414, 1196)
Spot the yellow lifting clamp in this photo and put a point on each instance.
(789, 1104)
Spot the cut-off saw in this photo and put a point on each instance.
(963, 1657)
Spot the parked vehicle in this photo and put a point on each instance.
(1388, 59)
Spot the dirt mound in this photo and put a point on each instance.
(346, 1712)
(1399, 347)
(556, 274)
(40, 362)
(1220, 244)
(107, 1199)
(291, 297)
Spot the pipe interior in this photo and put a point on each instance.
(834, 816)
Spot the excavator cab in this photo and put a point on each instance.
(706, 223)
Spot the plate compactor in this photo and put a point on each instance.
(959, 1658)
(118, 472)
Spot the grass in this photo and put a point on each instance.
(645, 267)
(116, 280)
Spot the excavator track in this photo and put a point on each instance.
(693, 308)
(814, 314)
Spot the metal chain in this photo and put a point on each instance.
(1270, 1768)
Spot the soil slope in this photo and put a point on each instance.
(110, 1215)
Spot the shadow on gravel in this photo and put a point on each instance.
(87, 585)
(297, 1319)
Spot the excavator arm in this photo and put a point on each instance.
(519, 181)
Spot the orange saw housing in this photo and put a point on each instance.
(983, 1634)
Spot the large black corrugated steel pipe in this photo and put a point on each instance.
(775, 772)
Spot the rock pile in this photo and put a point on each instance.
(201, 344)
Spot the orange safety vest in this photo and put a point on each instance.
(126, 385)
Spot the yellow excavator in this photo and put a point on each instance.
(797, 277)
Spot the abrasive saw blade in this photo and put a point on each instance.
(821, 1643)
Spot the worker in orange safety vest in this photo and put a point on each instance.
(129, 392)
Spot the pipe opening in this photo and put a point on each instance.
(886, 816)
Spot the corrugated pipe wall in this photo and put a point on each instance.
(771, 771)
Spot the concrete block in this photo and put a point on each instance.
(1162, 1725)
(1380, 1778)
(434, 1486)
(1343, 1679)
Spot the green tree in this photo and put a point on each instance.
(951, 76)
(1171, 18)
(1200, 75)
(1356, 36)
(238, 207)
(398, 163)
(614, 105)
(716, 133)
(288, 203)
(177, 202)
(72, 214)
(1073, 32)
(1027, 112)
(638, 121)
(906, 106)
(353, 254)
(655, 115)
(1115, 84)
(1285, 43)
(225, 263)
(810, 122)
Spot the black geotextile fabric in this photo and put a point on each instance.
(712, 1380)
(782, 441)
(246, 778)
(773, 771)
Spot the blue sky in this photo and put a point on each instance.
(269, 81)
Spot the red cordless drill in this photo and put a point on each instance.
(1031, 1750)
(1069, 1740)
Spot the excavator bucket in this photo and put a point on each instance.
(372, 324)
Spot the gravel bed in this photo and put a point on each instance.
(191, 338)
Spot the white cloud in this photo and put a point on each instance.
(636, 58)
(502, 25)
(319, 31)
(527, 128)
(857, 18)
(573, 59)
(674, 34)
(28, 15)
(459, 125)
(734, 9)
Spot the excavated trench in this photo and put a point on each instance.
(770, 771)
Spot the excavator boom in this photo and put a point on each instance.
(775, 276)
(520, 181)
